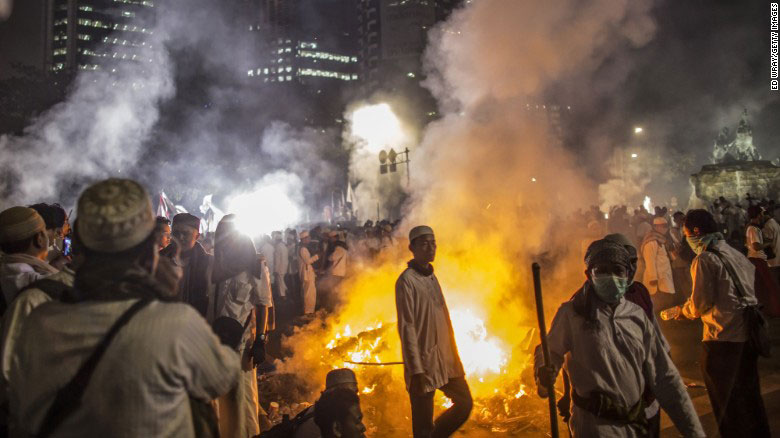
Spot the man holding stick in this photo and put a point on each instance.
(612, 352)
(431, 359)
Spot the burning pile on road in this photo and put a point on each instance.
(495, 337)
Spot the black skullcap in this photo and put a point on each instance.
(187, 219)
(607, 251)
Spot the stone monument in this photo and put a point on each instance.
(737, 170)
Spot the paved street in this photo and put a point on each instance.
(685, 336)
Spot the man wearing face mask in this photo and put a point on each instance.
(729, 363)
(612, 353)
(163, 354)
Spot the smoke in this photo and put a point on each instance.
(370, 129)
(99, 131)
(274, 204)
(190, 122)
(497, 185)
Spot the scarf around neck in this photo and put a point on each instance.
(37, 264)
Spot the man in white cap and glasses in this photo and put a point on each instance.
(658, 275)
(431, 359)
(306, 272)
(159, 359)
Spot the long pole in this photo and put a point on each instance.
(545, 349)
(408, 177)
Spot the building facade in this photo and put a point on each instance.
(97, 34)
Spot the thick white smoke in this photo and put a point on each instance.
(370, 129)
(98, 131)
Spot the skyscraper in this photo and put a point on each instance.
(393, 35)
(308, 48)
(97, 34)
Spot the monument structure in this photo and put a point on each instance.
(737, 170)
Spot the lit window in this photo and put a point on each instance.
(289, 78)
(288, 69)
(281, 78)
(287, 50)
(265, 71)
(85, 8)
(60, 51)
(251, 28)
(128, 14)
(250, 73)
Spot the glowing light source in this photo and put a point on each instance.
(270, 207)
(648, 204)
(634, 155)
(638, 130)
(480, 354)
(376, 127)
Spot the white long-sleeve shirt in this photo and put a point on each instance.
(714, 298)
(753, 235)
(281, 259)
(771, 233)
(17, 314)
(427, 340)
(658, 268)
(620, 358)
(305, 260)
(338, 262)
(140, 388)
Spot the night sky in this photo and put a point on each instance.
(707, 60)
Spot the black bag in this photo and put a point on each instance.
(288, 427)
(758, 330)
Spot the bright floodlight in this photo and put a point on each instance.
(638, 130)
(267, 209)
(634, 155)
(377, 127)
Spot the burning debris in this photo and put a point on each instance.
(500, 376)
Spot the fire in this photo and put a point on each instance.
(480, 354)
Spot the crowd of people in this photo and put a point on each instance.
(132, 325)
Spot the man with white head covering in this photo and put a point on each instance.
(431, 359)
(24, 242)
(612, 353)
(658, 267)
(162, 360)
(307, 275)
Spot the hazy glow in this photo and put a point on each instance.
(377, 127)
(268, 208)
(480, 354)
(634, 155)
(648, 204)
(638, 130)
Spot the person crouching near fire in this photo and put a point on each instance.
(612, 351)
(431, 359)
(337, 414)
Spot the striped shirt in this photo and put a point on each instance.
(140, 387)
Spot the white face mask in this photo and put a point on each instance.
(610, 288)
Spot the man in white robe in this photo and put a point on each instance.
(431, 359)
(611, 351)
